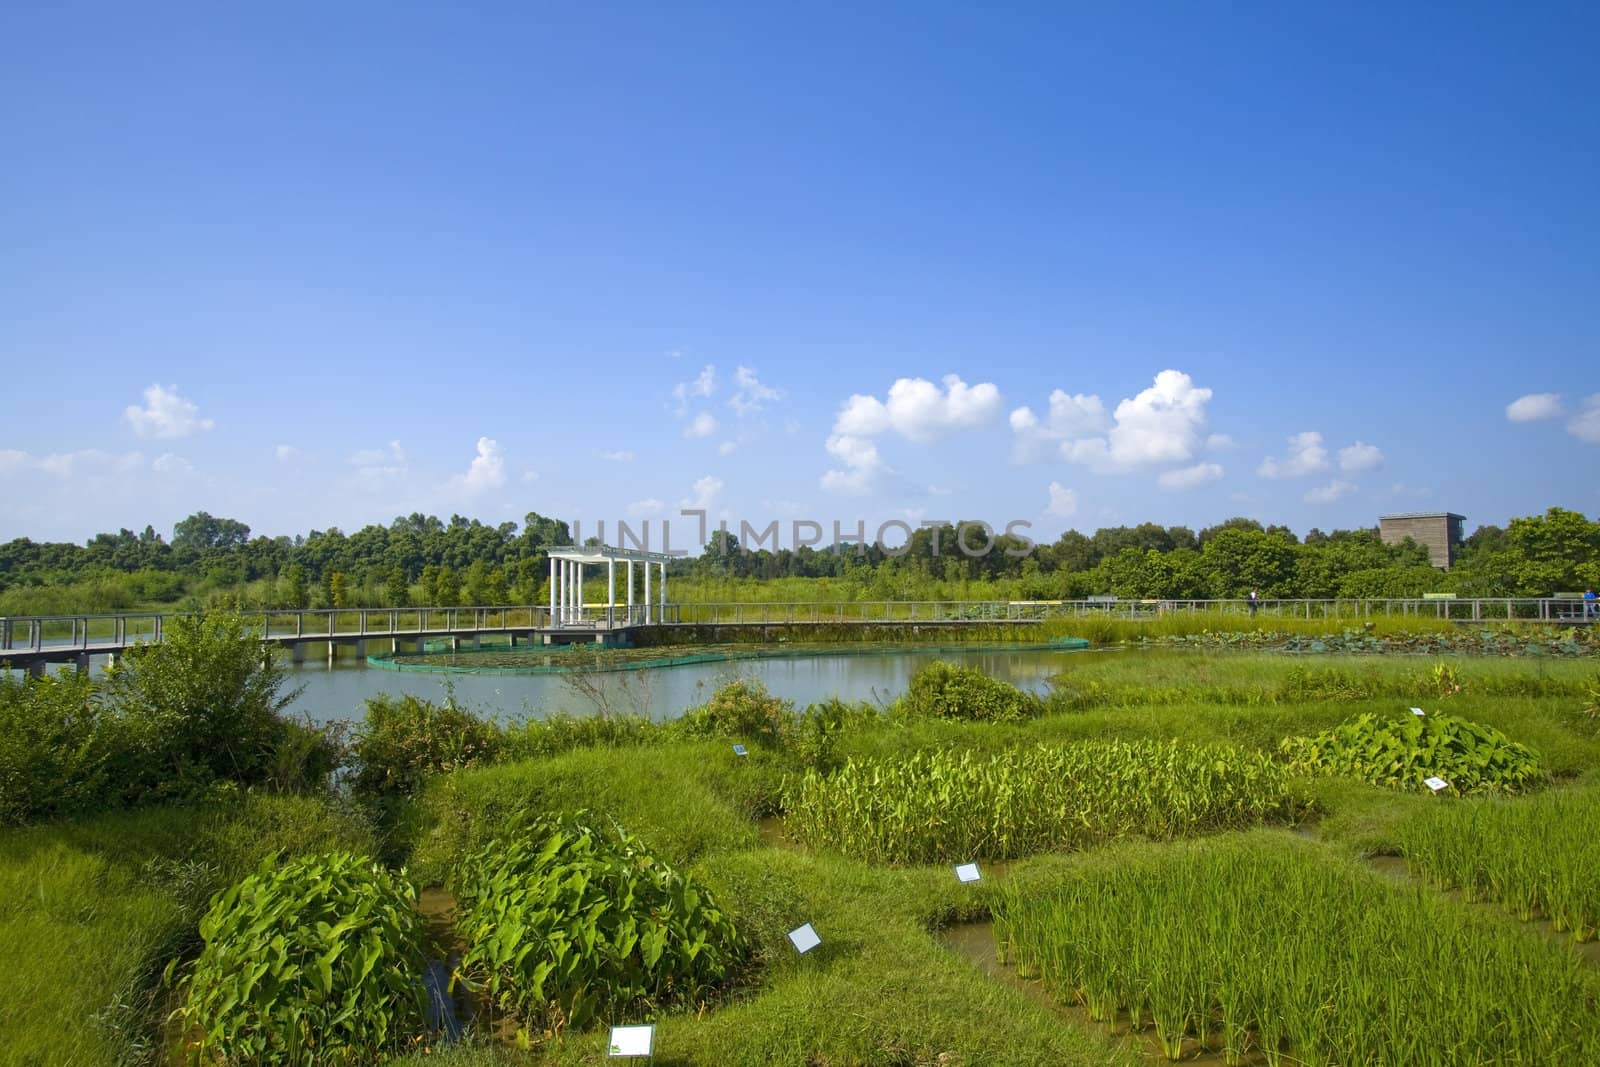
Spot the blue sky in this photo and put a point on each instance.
(317, 265)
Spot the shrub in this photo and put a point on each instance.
(318, 960)
(947, 691)
(407, 738)
(201, 706)
(1403, 752)
(820, 728)
(565, 923)
(56, 746)
(741, 709)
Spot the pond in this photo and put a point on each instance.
(339, 691)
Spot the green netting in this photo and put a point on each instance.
(583, 657)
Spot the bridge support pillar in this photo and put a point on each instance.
(82, 663)
(455, 643)
(333, 650)
(361, 649)
(297, 652)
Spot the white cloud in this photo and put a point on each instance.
(617, 455)
(169, 464)
(1535, 406)
(862, 464)
(1220, 442)
(529, 476)
(165, 415)
(749, 394)
(287, 453)
(704, 384)
(1190, 477)
(1063, 501)
(706, 491)
(1360, 457)
(1413, 492)
(393, 456)
(66, 465)
(640, 509)
(1162, 424)
(487, 469)
(727, 448)
(1585, 425)
(1306, 455)
(919, 410)
(702, 425)
(1327, 494)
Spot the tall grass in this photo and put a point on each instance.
(1535, 856)
(1269, 943)
(942, 806)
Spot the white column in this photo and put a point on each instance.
(661, 616)
(647, 592)
(552, 590)
(578, 607)
(630, 592)
(566, 591)
(611, 592)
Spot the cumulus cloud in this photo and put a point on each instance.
(287, 453)
(1360, 457)
(1535, 406)
(12, 459)
(919, 410)
(1585, 425)
(617, 455)
(703, 385)
(1190, 477)
(1164, 423)
(916, 409)
(727, 448)
(702, 425)
(487, 469)
(1327, 494)
(1306, 456)
(706, 491)
(862, 465)
(1063, 501)
(165, 415)
(749, 394)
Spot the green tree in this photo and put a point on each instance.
(338, 590)
(447, 592)
(396, 590)
(295, 591)
(430, 585)
(1556, 552)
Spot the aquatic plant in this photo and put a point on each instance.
(315, 960)
(1404, 751)
(941, 806)
(566, 924)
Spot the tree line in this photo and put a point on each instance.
(423, 560)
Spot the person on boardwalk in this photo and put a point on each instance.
(1255, 601)
(1589, 603)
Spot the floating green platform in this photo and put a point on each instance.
(565, 659)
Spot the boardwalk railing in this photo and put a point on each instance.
(98, 633)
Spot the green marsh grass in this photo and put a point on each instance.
(947, 806)
(1271, 943)
(1535, 856)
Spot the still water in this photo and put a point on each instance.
(339, 692)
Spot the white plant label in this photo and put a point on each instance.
(805, 938)
(740, 750)
(968, 872)
(1418, 711)
(632, 1040)
(1436, 784)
